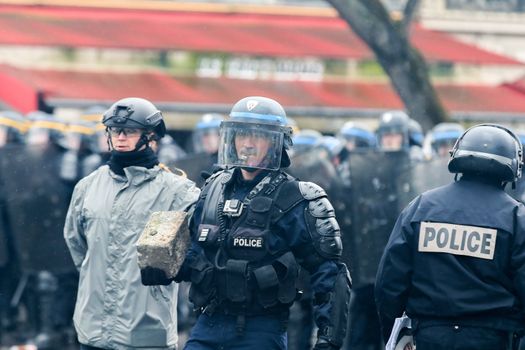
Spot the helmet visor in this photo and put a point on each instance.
(249, 145)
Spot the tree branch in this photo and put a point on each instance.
(408, 15)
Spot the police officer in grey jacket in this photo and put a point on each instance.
(455, 261)
(108, 211)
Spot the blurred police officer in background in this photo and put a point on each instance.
(108, 212)
(455, 261)
(397, 131)
(12, 129)
(355, 138)
(306, 152)
(204, 144)
(205, 137)
(440, 140)
(168, 151)
(35, 202)
(253, 227)
(97, 144)
(305, 140)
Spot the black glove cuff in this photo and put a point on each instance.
(151, 276)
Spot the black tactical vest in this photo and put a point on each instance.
(249, 276)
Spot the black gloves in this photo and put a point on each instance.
(151, 276)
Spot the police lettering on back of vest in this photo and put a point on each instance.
(478, 242)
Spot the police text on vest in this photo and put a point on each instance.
(437, 237)
(247, 242)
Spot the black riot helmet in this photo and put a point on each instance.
(488, 150)
(258, 118)
(136, 113)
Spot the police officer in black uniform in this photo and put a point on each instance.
(455, 261)
(253, 228)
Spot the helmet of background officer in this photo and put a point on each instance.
(45, 129)
(206, 137)
(256, 136)
(93, 114)
(132, 123)
(488, 151)
(77, 136)
(98, 140)
(396, 131)
(13, 126)
(440, 140)
(305, 140)
(168, 151)
(355, 136)
(333, 147)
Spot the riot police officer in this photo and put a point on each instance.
(455, 261)
(253, 227)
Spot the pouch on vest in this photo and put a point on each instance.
(276, 282)
(267, 282)
(236, 280)
(202, 272)
(258, 212)
(287, 267)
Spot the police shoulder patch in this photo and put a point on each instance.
(477, 242)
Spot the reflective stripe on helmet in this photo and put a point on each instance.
(266, 117)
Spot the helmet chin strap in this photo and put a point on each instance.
(144, 140)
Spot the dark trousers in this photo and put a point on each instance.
(460, 338)
(87, 347)
(218, 332)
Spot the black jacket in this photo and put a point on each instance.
(456, 255)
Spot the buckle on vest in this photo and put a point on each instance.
(233, 207)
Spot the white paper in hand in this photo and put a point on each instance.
(401, 336)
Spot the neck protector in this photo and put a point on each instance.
(119, 160)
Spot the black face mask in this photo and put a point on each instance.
(119, 160)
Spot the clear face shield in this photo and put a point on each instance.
(250, 145)
(392, 140)
(442, 147)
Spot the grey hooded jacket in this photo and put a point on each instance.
(105, 219)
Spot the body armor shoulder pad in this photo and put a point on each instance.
(310, 190)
